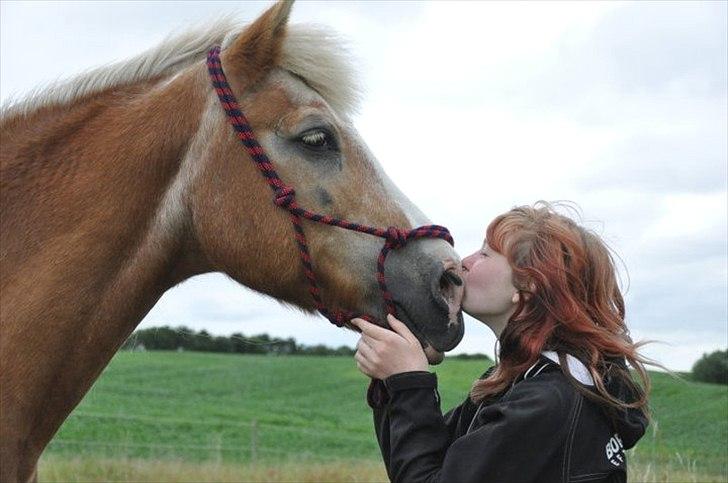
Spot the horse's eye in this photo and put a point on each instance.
(318, 140)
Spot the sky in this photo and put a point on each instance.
(473, 108)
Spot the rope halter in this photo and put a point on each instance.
(284, 196)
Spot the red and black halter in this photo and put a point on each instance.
(285, 197)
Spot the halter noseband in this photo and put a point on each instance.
(285, 197)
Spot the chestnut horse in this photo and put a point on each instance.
(127, 180)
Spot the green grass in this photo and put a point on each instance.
(690, 424)
(202, 409)
(64, 469)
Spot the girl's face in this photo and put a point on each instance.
(489, 292)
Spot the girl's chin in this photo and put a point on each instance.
(479, 317)
(474, 315)
(486, 319)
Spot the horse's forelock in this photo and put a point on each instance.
(319, 56)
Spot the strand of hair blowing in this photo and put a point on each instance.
(570, 303)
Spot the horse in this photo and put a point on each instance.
(127, 180)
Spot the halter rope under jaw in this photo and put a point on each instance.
(285, 197)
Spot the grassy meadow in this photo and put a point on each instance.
(169, 416)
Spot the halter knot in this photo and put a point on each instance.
(285, 197)
(397, 238)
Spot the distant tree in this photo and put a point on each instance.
(184, 338)
(158, 338)
(317, 350)
(202, 342)
(221, 344)
(292, 345)
(344, 350)
(469, 357)
(283, 346)
(238, 343)
(712, 367)
(258, 344)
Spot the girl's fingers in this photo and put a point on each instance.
(368, 340)
(399, 327)
(363, 365)
(366, 350)
(372, 330)
(356, 322)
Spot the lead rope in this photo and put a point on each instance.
(285, 197)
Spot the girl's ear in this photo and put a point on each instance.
(258, 48)
(521, 293)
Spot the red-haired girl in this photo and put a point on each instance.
(559, 406)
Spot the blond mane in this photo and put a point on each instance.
(312, 52)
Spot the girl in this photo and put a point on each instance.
(560, 405)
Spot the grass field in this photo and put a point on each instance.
(217, 417)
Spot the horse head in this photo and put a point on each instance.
(297, 90)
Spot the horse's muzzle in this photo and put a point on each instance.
(428, 289)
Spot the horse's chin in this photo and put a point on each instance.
(434, 356)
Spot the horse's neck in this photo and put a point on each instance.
(87, 245)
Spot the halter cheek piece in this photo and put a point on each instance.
(285, 197)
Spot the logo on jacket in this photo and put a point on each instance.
(615, 450)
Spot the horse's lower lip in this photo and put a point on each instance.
(434, 356)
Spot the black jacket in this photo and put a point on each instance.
(541, 430)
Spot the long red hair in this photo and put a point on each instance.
(570, 303)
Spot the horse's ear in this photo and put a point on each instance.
(258, 47)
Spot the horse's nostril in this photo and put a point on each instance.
(450, 284)
(451, 277)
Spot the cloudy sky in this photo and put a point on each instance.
(619, 107)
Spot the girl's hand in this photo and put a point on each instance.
(381, 353)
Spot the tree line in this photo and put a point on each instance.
(185, 339)
(712, 367)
